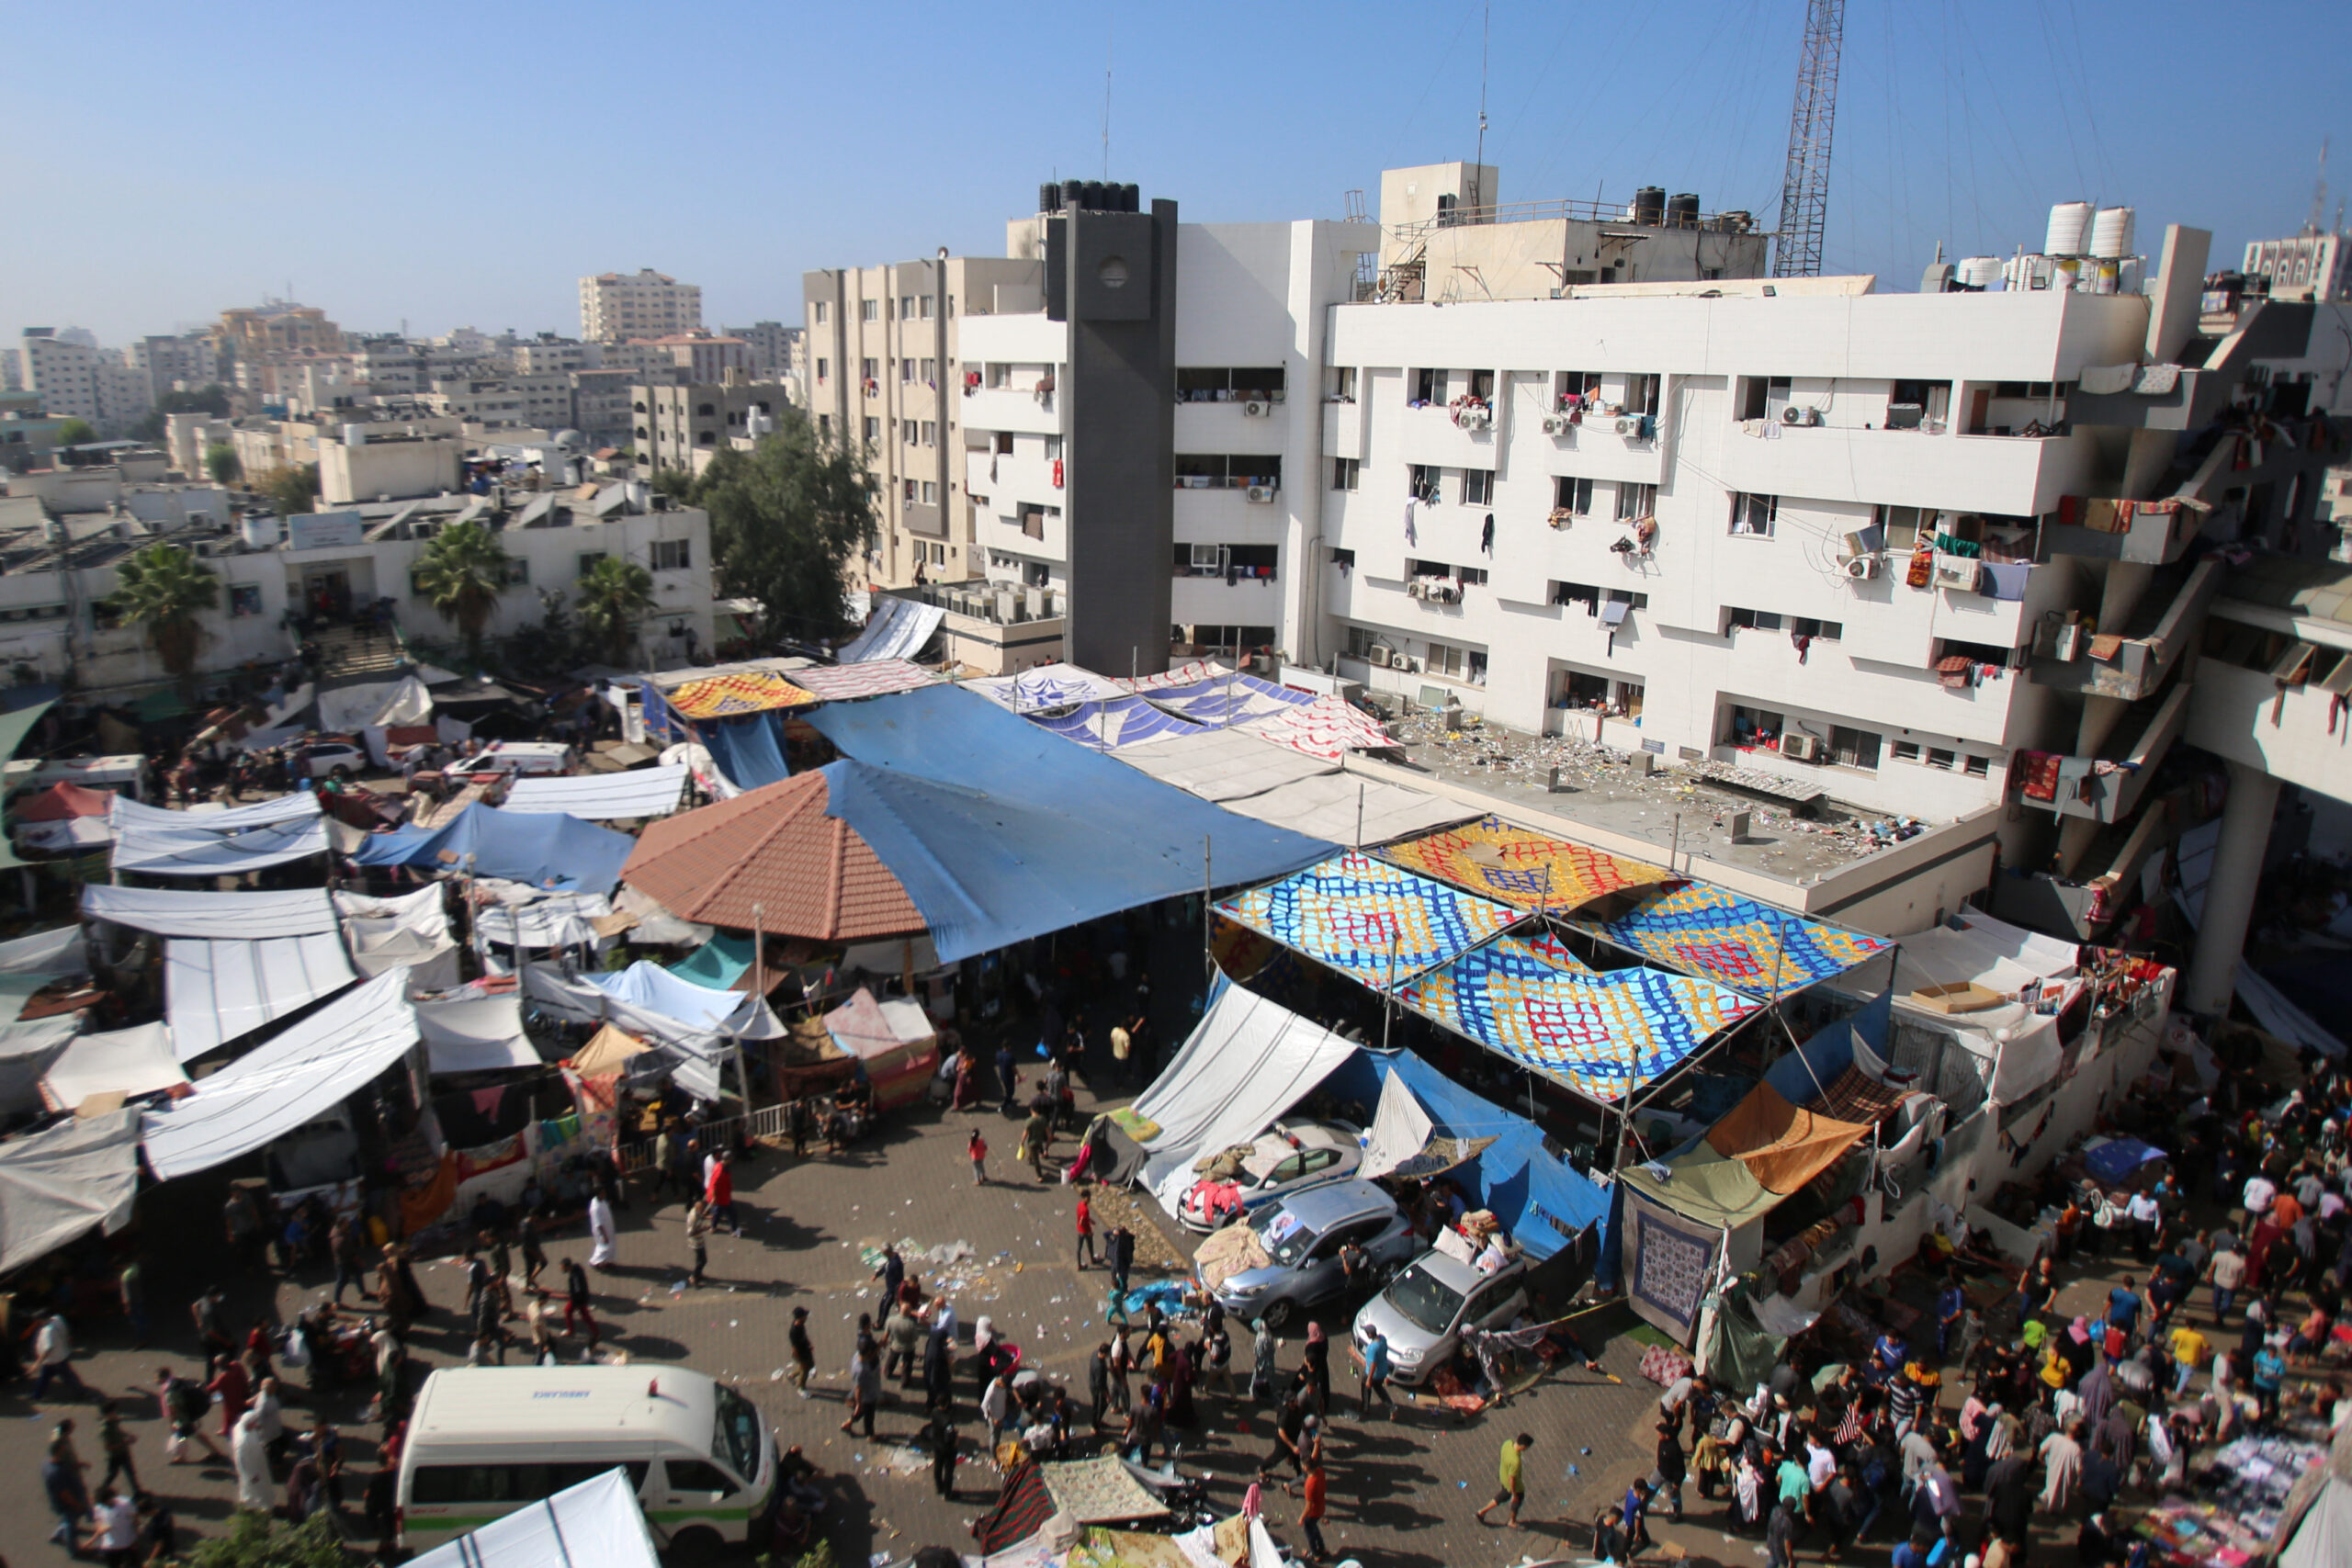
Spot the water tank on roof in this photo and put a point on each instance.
(1980, 272)
(1073, 191)
(1050, 197)
(1095, 195)
(1130, 198)
(2070, 227)
(261, 532)
(1649, 205)
(1682, 212)
(354, 435)
(2111, 234)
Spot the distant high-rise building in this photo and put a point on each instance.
(274, 326)
(618, 306)
(64, 372)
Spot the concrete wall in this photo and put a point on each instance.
(396, 468)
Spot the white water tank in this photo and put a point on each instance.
(2111, 234)
(2070, 223)
(2023, 272)
(261, 533)
(354, 435)
(1980, 272)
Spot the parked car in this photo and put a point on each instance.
(1287, 1159)
(517, 757)
(1286, 1259)
(1423, 1311)
(338, 759)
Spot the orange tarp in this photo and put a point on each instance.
(1782, 1146)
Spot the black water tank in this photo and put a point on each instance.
(1682, 212)
(1049, 197)
(1649, 205)
(1130, 198)
(1073, 191)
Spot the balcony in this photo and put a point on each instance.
(2123, 530)
(1431, 436)
(2108, 883)
(2018, 475)
(2110, 796)
(2131, 664)
(1024, 410)
(2295, 730)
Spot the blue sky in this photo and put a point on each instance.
(463, 164)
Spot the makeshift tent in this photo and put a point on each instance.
(1047, 687)
(603, 798)
(1526, 870)
(1782, 1146)
(695, 1055)
(62, 802)
(1713, 1190)
(548, 851)
(1327, 727)
(1101, 1491)
(1223, 765)
(2315, 1524)
(898, 629)
(1669, 1263)
(1114, 723)
(1400, 1129)
(1373, 922)
(189, 843)
(1247, 1062)
(748, 751)
(717, 964)
(1806, 1073)
(1602, 1034)
(772, 858)
(869, 678)
(59, 1183)
(1190, 674)
(2029, 984)
(15, 725)
(58, 952)
(380, 704)
(27, 1051)
(1350, 810)
(408, 930)
(216, 990)
(64, 835)
(728, 696)
(475, 1033)
(125, 1062)
(597, 1524)
(1720, 936)
(559, 919)
(653, 923)
(607, 1051)
(999, 832)
(1229, 699)
(649, 987)
(895, 1040)
(286, 1081)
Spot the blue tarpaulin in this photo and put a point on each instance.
(749, 749)
(546, 850)
(1000, 831)
(1802, 1075)
(2117, 1161)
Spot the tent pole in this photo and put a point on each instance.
(1208, 920)
(1388, 992)
(759, 954)
(1359, 817)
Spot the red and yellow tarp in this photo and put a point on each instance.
(724, 696)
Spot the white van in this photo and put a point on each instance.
(485, 1440)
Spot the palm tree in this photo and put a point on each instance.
(614, 594)
(462, 571)
(163, 587)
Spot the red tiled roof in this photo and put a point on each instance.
(812, 875)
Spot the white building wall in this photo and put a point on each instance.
(386, 469)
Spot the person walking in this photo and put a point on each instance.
(1511, 1480)
(1036, 1135)
(231, 1389)
(535, 1255)
(976, 1149)
(1265, 1346)
(348, 1251)
(1377, 1367)
(1672, 1467)
(1098, 1382)
(183, 1405)
(804, 1355)
(1311, 1509)
(53, 1357)
(131, 1285)
(1085, 1254)
(891, 1269)
(698, 1228)
(865, 1384)
(579, 1301)
(901, 1337)
(61, 1479)
(721, 1192)
(603, 1234)
(1007, 1079)
(938, 1370)
(114, 1443)
(1121, 1241)
(942, 1453)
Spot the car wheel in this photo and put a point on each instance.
(1277, 1315)
(339, 772)
(696, 1543)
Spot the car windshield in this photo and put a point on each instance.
(736, 1443)
(1287, 1238)
(1426, 1300)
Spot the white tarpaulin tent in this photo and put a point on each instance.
(596, 1523)
(1400, 1129)
(407, 932)
(647, 985)
(2020, 1042)
(475, 1034)
(56, 1184)
(381, 704)
(283, 1083)
(128, 1062)
(125, 812)
(45, 952)
(603, 798)
(211, 843)
(898, 630)
(559, 919)
(1248, 1061)
(1043, 687)
(165, 911)
(697, 1055)
(1223, 765)
(1352, 810)
(27, 1053)
(215, 991)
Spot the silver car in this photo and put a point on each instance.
(1287, 1258)
(1424, 1310)
(1286, 1159)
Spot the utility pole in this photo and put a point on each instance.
(1804, 186)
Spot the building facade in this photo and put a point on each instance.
(617, 306)
(65, 374)
(683, 426)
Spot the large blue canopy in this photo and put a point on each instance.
(546, 850)
(1000, 831)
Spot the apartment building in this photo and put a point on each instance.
(542, 398)
(776, 352)
(617, 306)
(683, 426)
(64, 372)
(276, 326)
(175, 363)
(879, 340)
(706, 356)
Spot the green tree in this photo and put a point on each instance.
(74, 432)
(221, 462)
(257, 1541)
(291, 488)
(788, 518)
(614, 594)
(163, 587)
(461, 572)
(675, 483)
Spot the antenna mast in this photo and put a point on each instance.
(1804, 187)
(1107, 56)
(2319, 195)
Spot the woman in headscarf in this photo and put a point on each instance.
(2062, 1465)
(250, 1453)
(602, 1233)
(1262, 1361)
(1318, 1368)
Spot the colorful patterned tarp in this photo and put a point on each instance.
(875, 677)
(1667, 1265)
(1229, 699)
(1521, 868)
(1121, 721)
(1369, 920)
(1326, 727)
(1701, 930)
(723, 697)
(1045, 687)
(1185, 674)
(1602, 1034)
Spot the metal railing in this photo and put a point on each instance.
(1732, 222)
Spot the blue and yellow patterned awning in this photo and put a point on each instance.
(1376, 923)
(1751, 947)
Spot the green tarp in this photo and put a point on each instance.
(1740, 1354)
(717, 964)
(1705, 1187)
(15, 727)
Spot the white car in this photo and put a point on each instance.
(517, 757)
(338, 759)
(1289, 1157)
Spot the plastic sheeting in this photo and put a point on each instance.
(1351, 810)
(717, 964)
(27, 1053)
(215, 991)
(188, 844)
(128, 1062)
(348, 709)
(695, 1054)
(1524, 869)
(597, 1524)
(1047, 686)
(1782, 1146)
(649, 987)
(748, 751)
(299, 807)
(58, 952)
(728, 697)
(1327, 728)
(1114, 724)
(898, 629)
(1400, 1129)
(1704, 931)
(1229, 699)
(58, 1184)
(1248, 1061)
(1224, 765)
(603, 798)
(283, 1083)
(562, 920)
(1376, 923)
(549, 851)
(871, 677)
(999, 832)
(475, 1034)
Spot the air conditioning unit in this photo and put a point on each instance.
(1803, 748)
(1861, 569)
(1470, 417)
(1377, 654)
(1412, 662)
(1804, 418)
(1262, 494)
(1256, 410)
(1957, 572)
(1629, 425)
